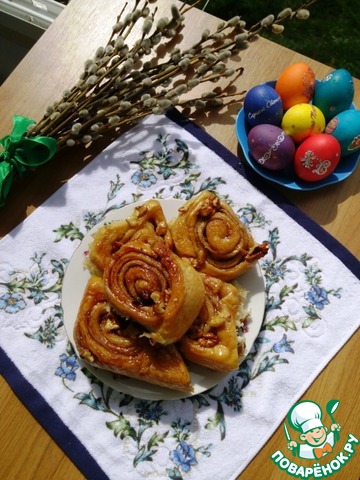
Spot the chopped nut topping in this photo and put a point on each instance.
(208, 340)
(88, 356)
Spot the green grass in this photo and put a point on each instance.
(330, 35)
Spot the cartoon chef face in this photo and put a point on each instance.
(305, 417)
(314, 437)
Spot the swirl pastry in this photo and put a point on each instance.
(106, 340)
(213, 341)
(146, 281)
(111, 236)
(211, 236)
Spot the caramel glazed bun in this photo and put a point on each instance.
(209, 234)
(147, 282)
(106, 340)
(111, 236)
(213, 340)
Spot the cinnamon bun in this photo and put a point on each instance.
(214, 340)
(106, 340)
(209, 234)
(146, 281)
(109, 237)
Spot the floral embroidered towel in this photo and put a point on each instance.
(313, 300)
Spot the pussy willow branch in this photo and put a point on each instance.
(123, 83)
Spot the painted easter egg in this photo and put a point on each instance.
(317, 157)
(345, 127)
(271, 147)
(334, 93)
(262, 104)
(296, 84)
(303, 120)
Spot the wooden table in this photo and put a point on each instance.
(26, 450)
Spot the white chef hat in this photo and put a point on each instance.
(304, 416)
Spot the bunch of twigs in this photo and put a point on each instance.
(123, 83)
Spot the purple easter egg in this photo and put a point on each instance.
(271, 147)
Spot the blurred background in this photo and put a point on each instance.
(22, 22)
(331, 35)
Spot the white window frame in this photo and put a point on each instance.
(40, 13)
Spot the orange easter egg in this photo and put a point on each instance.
(296, 84)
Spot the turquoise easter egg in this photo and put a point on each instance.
(334, 93)
(345, 127)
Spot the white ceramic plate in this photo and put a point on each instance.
(76, 278)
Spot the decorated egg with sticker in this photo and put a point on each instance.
(345, 127)
(317, 157)
(262, 104)
(296, 84)
(271, 147)
(334, 93)
(303, 120)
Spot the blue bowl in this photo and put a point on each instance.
(287, 178)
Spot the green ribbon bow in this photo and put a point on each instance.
(21, 154)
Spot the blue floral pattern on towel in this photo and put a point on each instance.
(272, 349)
